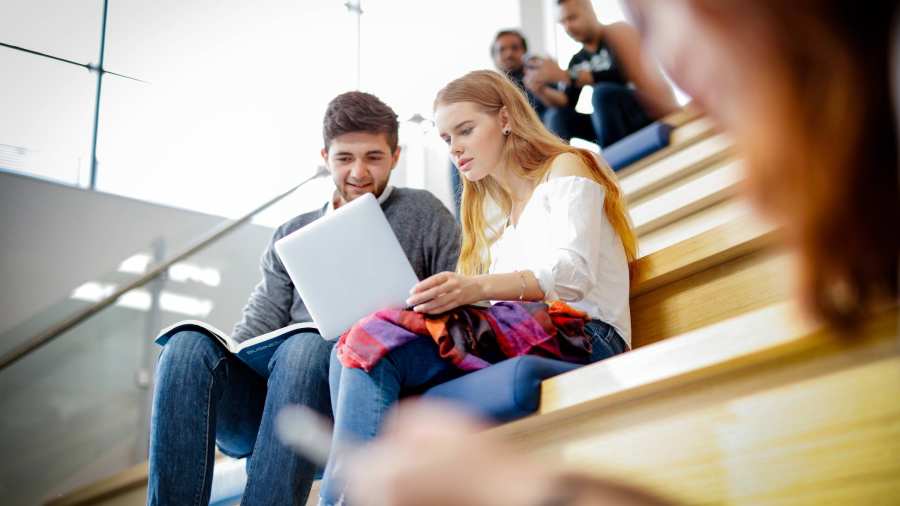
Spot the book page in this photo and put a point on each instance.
(290, 329)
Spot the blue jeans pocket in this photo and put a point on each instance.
(605, 341)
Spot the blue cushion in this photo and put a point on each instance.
(504, 391)
(640, 144)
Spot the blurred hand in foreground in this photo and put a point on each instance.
(428, 454)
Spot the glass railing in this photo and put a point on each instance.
(76, 408)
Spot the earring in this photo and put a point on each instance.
(506, 131)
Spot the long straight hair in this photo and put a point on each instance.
(529, 148)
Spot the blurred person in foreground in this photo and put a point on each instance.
(805, 89)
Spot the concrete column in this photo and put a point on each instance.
(532, 15)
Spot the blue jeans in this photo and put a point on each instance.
(204, 395)
(361, 400)
(617, 113)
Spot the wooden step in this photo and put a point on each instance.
(763, 408)
(683, 116)
(719, 274)
(128, 487)
(680, 138)
(713, 185)
(691, 131)
(694, 224)
(679, 165)
(724, 291)
(714, 247)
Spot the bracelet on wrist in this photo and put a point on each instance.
(522, 279)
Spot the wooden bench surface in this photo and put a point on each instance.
(763, 408)
(684, 115)
(713, 247)
(681, 137)
(679, 165)
(694, 224)
(712, 186)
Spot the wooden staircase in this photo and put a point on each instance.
(730, 396)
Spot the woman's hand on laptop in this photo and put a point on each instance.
(445, 291)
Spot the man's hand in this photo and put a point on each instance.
(444, 291)
(430, 454)
(426, 455)
(547, 70)
(532, 82)
(585, 78)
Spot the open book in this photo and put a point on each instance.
(255, 352)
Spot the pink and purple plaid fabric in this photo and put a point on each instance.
(472, 337)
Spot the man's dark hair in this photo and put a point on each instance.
(503, 33)
(356, 111)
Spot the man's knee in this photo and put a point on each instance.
(189, 350)
(301, 355)
(607, 93)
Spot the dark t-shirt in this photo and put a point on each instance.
(603, 65)
(518, 77)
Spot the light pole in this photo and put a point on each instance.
(355, 7)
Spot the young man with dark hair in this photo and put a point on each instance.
(205, 396)
(629, 91)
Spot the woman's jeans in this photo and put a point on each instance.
(205, 395)
(362, 399)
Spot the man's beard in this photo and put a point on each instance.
(348, 192)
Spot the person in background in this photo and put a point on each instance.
(629, 92)
(508, 51)
(804, 88)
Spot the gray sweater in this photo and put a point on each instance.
(425, 228)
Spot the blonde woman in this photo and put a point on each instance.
(565, 238)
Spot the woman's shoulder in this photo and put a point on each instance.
(568, 164)
(569, 180)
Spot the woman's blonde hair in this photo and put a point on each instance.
(529, 148)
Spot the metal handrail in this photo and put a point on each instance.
(217, 232)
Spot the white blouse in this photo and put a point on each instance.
(564, 238)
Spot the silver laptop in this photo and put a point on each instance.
(347, 265)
